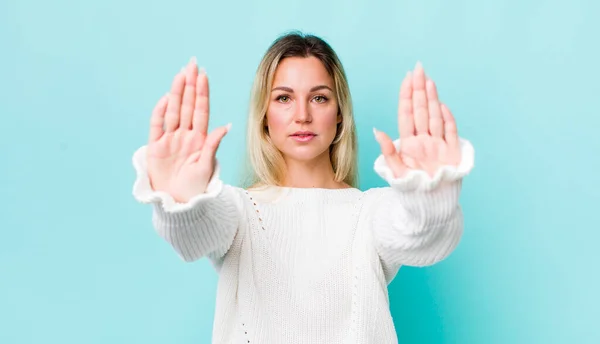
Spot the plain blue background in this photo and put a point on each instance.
(80, 263)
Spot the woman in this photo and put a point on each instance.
(302, 254)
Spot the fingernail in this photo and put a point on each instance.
(182, 70)
(418, 65)
(375, 132)
(193, 60)
(228, 126)
(202, 70)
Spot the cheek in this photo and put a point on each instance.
(275, 122)
(328, 120)
(278, 119)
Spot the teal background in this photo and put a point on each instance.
(80, 263)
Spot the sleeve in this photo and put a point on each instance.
(205, 226)
(418, 220)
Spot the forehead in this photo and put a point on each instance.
(301, 72)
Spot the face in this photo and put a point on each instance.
(302, 115)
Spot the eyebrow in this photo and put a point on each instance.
(288, 89)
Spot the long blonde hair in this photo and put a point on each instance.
(266, 164)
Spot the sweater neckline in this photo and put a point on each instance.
(274, 193)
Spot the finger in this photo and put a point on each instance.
(419, 99)
(406, 120)
(388, 150)
(201, 110)
(157, 120)
(172, 116)
(189, 95)
(213, 140)
(450, 130)
(436, 123)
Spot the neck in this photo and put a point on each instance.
(317, 173)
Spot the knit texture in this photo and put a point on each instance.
(311, 265)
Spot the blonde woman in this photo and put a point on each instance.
(303, 255)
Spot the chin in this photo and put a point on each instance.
(304, 153)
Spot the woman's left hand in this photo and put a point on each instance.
(429, 138)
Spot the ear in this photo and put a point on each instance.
(339, 117)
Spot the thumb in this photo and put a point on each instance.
(388, 150)
(211, 144)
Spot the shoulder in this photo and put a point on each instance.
(376, 192)
(234, 195)
(374, 196)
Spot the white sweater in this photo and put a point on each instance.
(311, 265)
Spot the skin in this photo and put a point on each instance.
(303, 99)
(181, 152)
(427, 129)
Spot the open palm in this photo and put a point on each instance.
(180, 153)
(429, 138)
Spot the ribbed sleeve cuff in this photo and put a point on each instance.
(208, 228)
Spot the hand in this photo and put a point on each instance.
(428, 133)
(180, 154)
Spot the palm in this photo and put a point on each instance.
(428, 153)
(429, 139)
(171, 160)
(180, 152)
(178, 144)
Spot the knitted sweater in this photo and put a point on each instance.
(311, 265)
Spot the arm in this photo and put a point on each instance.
(177, 172)
(203, 226)
(418, 220)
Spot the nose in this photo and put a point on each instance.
(302, 113)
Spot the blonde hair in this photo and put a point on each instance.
(267, 166)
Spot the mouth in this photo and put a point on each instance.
(303, 136)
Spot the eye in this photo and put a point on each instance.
(282, 99)
(320, 99)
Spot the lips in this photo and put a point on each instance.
(303, 136)
(304, 133)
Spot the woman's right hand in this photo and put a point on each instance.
(180, 153)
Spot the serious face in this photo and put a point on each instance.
(302, 115)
